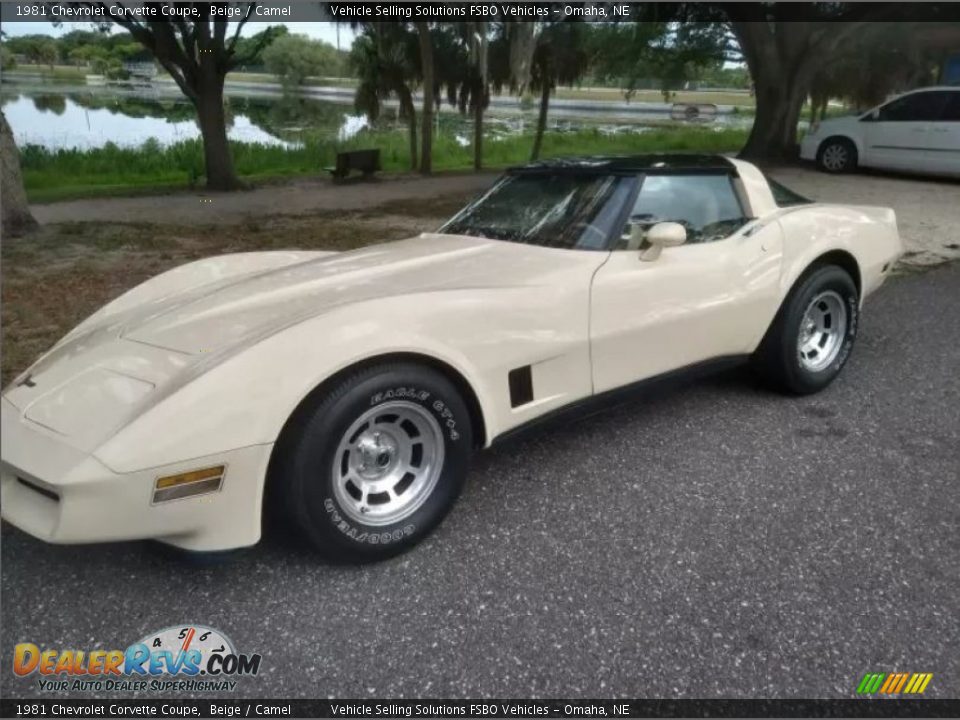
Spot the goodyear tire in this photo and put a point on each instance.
(813, 333)
(372, 467)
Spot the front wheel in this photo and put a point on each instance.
(837, 155)
(374, 466)
(812, 335)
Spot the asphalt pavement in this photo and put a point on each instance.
(714, 541)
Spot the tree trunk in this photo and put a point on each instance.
(780, 86)
(16, 218)
(541, 120)
(218, 160)
(408, 110)
(426, 116)
(478, 135)
(783, 58)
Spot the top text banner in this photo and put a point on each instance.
(267, 12)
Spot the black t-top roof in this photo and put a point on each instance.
(650, 164)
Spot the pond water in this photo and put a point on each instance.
(66, 121)
(70, 116)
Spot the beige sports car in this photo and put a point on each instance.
(351, 389)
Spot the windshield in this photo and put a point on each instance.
(562, 210)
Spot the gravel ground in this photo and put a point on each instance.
(716, 541)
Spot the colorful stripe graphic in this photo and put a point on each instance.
(894, 683)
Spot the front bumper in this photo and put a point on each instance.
(63, 495)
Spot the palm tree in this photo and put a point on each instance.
(477, 44)
(461, 50)
(524, 57)
(428, 75)
(386, 60)
(559, 58)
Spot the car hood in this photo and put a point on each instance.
(242, 310)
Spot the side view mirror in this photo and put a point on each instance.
(661, 235)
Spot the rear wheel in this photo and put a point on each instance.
(374, 466)
(837, 155)
(812, 335)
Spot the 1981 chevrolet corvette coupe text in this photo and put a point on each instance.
(352, 388)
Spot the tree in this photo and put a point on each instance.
(294, 58)
(428, 78)
(43, 52)
(7, 60)
(783, 57)
(252, 48)
(560, 58)
(385, 59)
(198, 53)
(524, 56)
(16, 218)
(888, 58)
(670, 52)
(427, 75)
(785, 45)
(461, 53)
(477, 46)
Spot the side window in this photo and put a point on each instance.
(706, 205)
(918, 107)
(951, 111)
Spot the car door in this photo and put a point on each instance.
(900, 134)
(709, 298)
(944, 155)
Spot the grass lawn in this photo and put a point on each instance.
(111, 170)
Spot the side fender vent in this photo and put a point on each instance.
(521, 386)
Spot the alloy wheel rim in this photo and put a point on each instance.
(835, 157)
(822, 331)
(387, 463)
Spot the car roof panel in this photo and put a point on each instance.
(651, 163)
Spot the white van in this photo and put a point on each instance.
(918, 131)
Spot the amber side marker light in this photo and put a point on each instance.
(188, 484)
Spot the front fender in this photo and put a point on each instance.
(246, 398)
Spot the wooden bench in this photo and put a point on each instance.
(366, 161)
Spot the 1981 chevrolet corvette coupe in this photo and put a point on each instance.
(353, 387)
